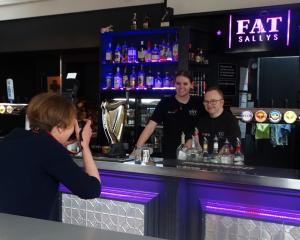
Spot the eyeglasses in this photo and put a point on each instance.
(212, 102)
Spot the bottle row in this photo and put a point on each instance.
(200, 84)
(165, 21)
(200, 154)
(138, 80)
(197, 55)
(161, 52)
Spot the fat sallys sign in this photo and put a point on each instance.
(259, 31)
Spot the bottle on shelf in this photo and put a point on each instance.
(205, 154)
(148, 52)
(125, 79)
(108, 54)
(166, 18)
(146, 21)
(215, 158)
(108, 81)
(169, 56)
(158, 81)
(181, 149)
(162, 51)
(199, 56)
(124, 51)
(149, 80)
(118, 80)
(132, 58)
(141, 78)
(117, 55)
(191, 55)
(141, 52)
(132, 78)
(134, 22)
(238, 157)
(155, 54)
(175, 49)
(226, 156)
(203, 85)
(166, 80)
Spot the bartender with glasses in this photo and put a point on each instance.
(218, 122)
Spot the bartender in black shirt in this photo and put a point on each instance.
(219, 122)
(178, 114)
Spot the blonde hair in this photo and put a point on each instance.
(47, 110)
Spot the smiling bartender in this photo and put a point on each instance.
(218, 122)
(178, 114)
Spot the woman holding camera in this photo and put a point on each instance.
(35, 162)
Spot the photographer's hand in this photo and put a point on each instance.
(86, 134)
(89, 164)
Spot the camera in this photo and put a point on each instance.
(81, 124)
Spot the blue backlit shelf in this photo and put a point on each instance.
(140, 63)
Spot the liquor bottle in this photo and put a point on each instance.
(148, 52)
(141, 78)
(108, 81)
(194, 154)
(108, 54)
(149, 80)
(141, 52)
(157, 81)
(117, 58)
(146, 21)
(226, 157)
(181, 149)
(175, 50)
(169, 56)
(162, 52)
(191, 54)
(238, 157)
(205, 154)
(132, 79)
(166, 18)
(166, 80)
(118, 80)
(198, 57)
(202, 85)
(134, 22)
(125, 79)
(215, 158)
(155, 54)
(132, 55)
(124, 53)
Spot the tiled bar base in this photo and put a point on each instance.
(103, 214)
(218, 227)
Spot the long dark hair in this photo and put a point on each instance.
(186, 74)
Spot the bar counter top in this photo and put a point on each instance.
(14, 227)
(245, 175)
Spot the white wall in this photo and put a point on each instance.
(14, 9)
(197, 6)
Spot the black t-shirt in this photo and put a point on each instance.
(32, 166)
(176, 117)
(224, 126)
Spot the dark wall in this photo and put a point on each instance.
(69, 31)
(30, 49)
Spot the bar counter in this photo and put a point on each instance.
(196, 201)
(14, 227)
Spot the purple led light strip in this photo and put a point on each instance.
(230, 29)
(121, 194)
(288, 28)
(249, 211)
